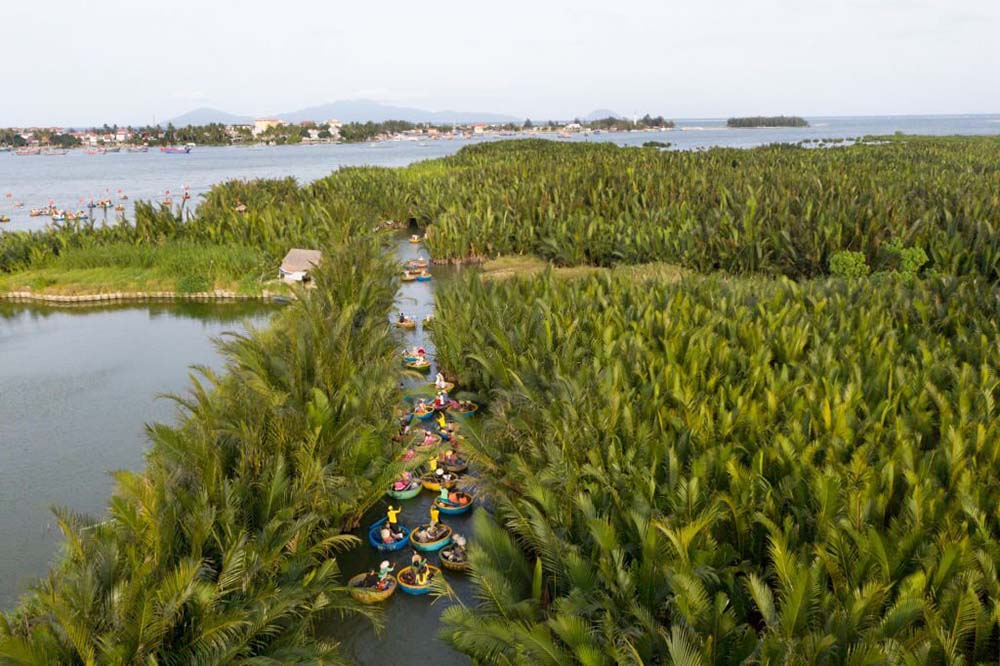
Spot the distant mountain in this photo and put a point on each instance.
(361, 110)
(601, 114)
(205, 115)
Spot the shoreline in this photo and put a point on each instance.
(218, 295)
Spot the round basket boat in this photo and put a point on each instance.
(465, 412)
(457, 468)
(430, 482)
(431, 546)
(412, 588)
(426, 416)
(408, 324)
(423, 277)
(416, 239)
(428, 321)
(448, 386)
(408, 277)
(376, 541)
(416, 264)
(420, 446)
(462, 565)
(421, 365)
(449, 509)
(408, 493)
(368, 595)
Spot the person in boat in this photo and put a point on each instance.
(450, 458)
(441, 400)
(392, 516)
(435, 514)
(409, 455)
(384, 570)
(439, 381)
(456, 553)
(444, 496)
(428, 438)
(402, 318)
(443, 477)
(403, 482)
(457, 499)
(441, 420)
(387, 536)
(371, 579)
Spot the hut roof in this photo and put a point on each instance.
(300, 261)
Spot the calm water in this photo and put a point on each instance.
(76, 388)
(72, 180)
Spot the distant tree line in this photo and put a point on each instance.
(767, 121)
(646, 122)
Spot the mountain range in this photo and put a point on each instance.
(355, 110)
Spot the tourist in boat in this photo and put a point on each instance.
(435, 514)
(444, 495)
(386, 535)
(428, 438)
(418, 563)
(442, 476)
(404, 481)
(457, 551)
(384, 570)
(457, 500)
(402, 318)
(441, 420)
(449, 458)
(439, 382)
(371, 579)
(409, 455)
(393, 516)
(441, 400)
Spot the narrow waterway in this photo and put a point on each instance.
(412, 623)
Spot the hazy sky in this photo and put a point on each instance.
(126, 61)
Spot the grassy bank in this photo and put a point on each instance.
(180, 266)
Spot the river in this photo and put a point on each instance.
(72, 180)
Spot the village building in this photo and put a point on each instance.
(297, 263)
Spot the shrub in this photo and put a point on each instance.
(848, 264)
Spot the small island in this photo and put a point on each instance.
(767, 121)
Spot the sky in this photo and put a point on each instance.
(133, 61)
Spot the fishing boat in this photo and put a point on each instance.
(431, 482)
(456, 564)
(431, 546)
(95, 151)
(407, 323)
(456, 468)
(120, 208)
(175, 150)
(409, 492)
(38, 212)
(370, 595)
(421, 364)
(116, 149)
(28, 151)
(4, 219)
(55, 153)
(423, 276)
(415, 238)
(406, 574)
(450, 509)
(140, 149)
(375, 539)
(465, 409)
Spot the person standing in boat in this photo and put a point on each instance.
(439, 382)
(393, 516)
(383, 574)
(435, 514)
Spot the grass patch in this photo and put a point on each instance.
(123, 267)
(521, 265)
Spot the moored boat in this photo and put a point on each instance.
(175, 150)
(455, 509)
(376, 541)
(370, 595)
(408, 581)
(465, 409)
(434, 544)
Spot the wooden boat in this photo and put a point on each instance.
(409, 493)
(368, 595)
(420, 364)
(424, 416)
(420, 446)
(406, 323)
(461, 565)
(416, 239)
(431, 482)
(412, 588)
(457, 468)
(431, 546)
(423, 276)
(376, 541)
(467, 412)
(449, 509)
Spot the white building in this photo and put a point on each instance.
(261, 125)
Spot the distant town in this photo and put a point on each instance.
(272, 131)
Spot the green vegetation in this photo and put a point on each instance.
(621, 124)
(715, 471)
(767, 121)
(223, 550)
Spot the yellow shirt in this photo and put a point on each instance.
(434, 513)
(392, 513)
(433, 463)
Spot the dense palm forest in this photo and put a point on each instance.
(787, 455)
(767, 121)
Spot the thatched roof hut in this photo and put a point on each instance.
(297, 263)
